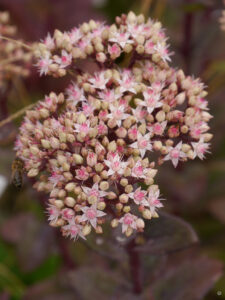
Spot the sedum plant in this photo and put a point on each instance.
(15, 57)
(95, 148)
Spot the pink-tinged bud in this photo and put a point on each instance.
(180, 98)
(78, 159)
(206, 116)
(101, 57)
(111, 196)
(44, 113)
(54, 193)
(69, 201)
(114, 223)
(99, 167)
(86, 230)
(45, 144)
(129, 231)
(121, 132)
(112, 146)
(99, 230)
(123, 198)
(91, 159)
(114, 51)
(61, 159)
(54, 143)
(32, 173)
(207, 137)
(101, 205)
(173, 131)
(34, 150)
(59, 203)
(140, 224)
(70, 186)
(66, 167)
(104, 185)
(147, 214)
(62, 194)
(160, 116)
(126, 209)
(124, 182)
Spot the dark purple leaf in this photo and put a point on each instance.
(167, 234)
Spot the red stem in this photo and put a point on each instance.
(64, 251)
(135, 267)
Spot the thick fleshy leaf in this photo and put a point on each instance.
(217, 208)
(111, 245)
(161, 235)
(98, 283)
(167, 234)
(186, 279)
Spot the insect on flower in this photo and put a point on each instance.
(17, 172)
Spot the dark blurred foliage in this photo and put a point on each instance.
(37, 263)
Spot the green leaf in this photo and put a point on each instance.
(10, 282)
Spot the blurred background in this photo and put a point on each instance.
(35, 262)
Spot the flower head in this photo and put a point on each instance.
(91, 147)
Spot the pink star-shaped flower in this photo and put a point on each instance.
(115, 165)
(53, 213)
(109, 96)
(65, 59)
(162, 50)
(73, 230)
(143, 143)
(200, 148)
(43, 64)
(175, 154)
(99, 81)
(121, 38)
(138, 170)
(118, 114)
(91, 214)
(128, 221)
(151, 100)
(75, 94)
(84, 127)
(139, 196)
(82, 174)
(153, 201)
(127, 83)
(94, 191)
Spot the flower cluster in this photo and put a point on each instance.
(95, 147)
(14, 59)
(104, 44)
(222, 19)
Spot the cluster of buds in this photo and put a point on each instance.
(94, 148)
(105, 44)
(222, 19)
(14, 60)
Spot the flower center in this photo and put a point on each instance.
(175, 153)
(128, 220)
(91, 213)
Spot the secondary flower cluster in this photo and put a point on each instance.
(222, 19)
(104, 44)
(91, 148)
(14, 60)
